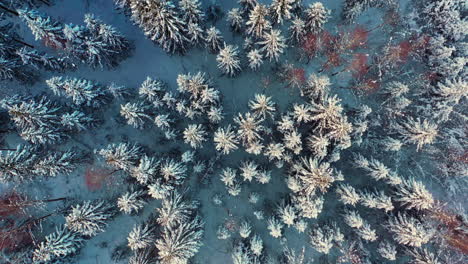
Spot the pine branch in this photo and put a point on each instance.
(45, 2)
(24, 43)
(11, 11)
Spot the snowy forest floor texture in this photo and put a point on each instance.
(223, 131)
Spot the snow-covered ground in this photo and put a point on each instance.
(150, 60)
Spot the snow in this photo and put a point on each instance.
(148, 59)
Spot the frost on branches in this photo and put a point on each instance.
(89, 218)
(131, 202)
(257, 23)
(96, 44)
(81, 91)
(214, 40)
(161, 23)
(409, 231)
(316, 15)
(121, 156)
(273, 44)
(282, 10)
(141, 237)
(225, 140)
(57, 245)
(178, 243)
(228, 60)
(26, 162)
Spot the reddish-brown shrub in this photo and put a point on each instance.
(309, 45)
(453, 224)
(329, 43)
(296, 77)
(12, 238)
(358, 66)
(356, 38)
(95, 177)
(12, 204)
(333, 60)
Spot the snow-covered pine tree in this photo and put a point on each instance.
(316, 15)
(258, 23)
(195, 33)
(191, 11)
(179, 243)
(56, 162)
(42, 135)
(175, 210)
(81, 91)
(57, 245)
(153, 90)
(161, 23)
(76, 121)
(31, 112)
(281, 10)
(142, 236)
(247, 5)
(26, 162)
(40, 60)
(146, 171)
(194, 18)
(36, 119)
(20, 61)
(214, 40)
(89, 218)
(297, 30)
(44, 28)
(121, 156)
(272, 44)
(135, 113)
(255, 59)
(353, 8)
(107, 34)
(228, 60)
(445, 17)
(235, 20)
(16, 165)
(87, 49)
(131, 201)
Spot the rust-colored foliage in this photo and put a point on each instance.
(400, 53)
(368, 86)
(329, 42)
(55, 43)
(458, 241)
(453, 224)
(309, 45)
(231, 224)
(296, 77)
(358, 65)
(355, 39)
(333, 60)
(95, 177)
(12, 238)
(12, 204)
(464, 157)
